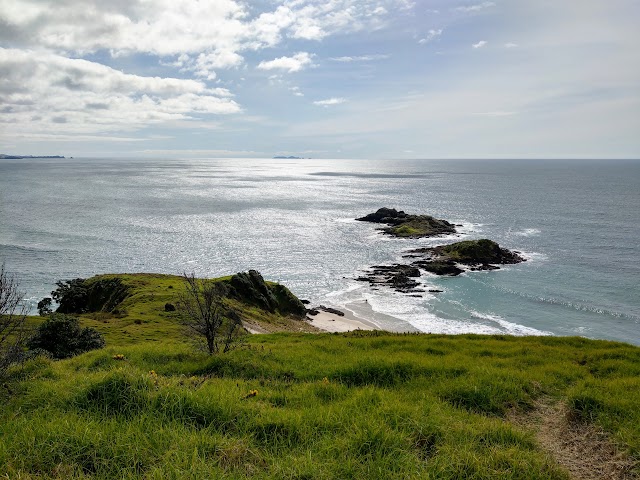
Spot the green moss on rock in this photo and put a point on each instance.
(404, 225)
(482, 251)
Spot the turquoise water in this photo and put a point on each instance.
(577, 222)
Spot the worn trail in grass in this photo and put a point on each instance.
(586, 451)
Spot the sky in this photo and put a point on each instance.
(321, 78)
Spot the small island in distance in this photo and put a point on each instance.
(20, 157)
(282, 157)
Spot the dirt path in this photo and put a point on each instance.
(585, 451)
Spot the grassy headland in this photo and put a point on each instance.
(294, 405)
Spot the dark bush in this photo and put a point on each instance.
(83, 296)
(44, 307)
(71, 296)
(62, 336)
(169, 307)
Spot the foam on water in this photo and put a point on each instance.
(508, 327)
(469, 228)
(533, 257)
(527, 232)
(350, 288)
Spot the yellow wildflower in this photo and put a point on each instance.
(252, 393)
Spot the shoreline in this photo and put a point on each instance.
(332, 323)
(358, 315)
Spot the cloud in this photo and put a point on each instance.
(330, 101)
(289, 64)
(511, 45)
(475, 8)
(173, 27)
(480, 44)
(296, 91)
(360, 58)
(431, 35)
(48, 93)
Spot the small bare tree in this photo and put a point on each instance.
(13, 312)
(204, 312)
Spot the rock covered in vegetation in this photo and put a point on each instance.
(442, 260)
(404, 225)
(474, 253)
(249, 287)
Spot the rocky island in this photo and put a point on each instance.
(401, 224)
(452, 260)
(4, 156)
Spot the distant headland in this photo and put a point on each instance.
(20, 157)
(281, 157)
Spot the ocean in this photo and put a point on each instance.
(576, 222)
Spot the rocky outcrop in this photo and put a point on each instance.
(472, 252)
(250, 288)
(401, 224)
(399, 277)
(442, 260)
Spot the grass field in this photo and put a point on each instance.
(363, 405)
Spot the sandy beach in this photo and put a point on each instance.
(330, 322)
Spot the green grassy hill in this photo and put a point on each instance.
(362, 405)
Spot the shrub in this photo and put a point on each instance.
(13, 311)
(62, 336)
(44, 307)
(83, 296)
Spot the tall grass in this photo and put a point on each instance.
(327, 406)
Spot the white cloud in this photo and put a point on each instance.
(360, 58)
(330, 101)
(45, 93)
(292, 64)
(475, 8)
(431, 35)
(511, 45)
(296, 91)
(162, 27)
(480, 44)
(172, 27)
